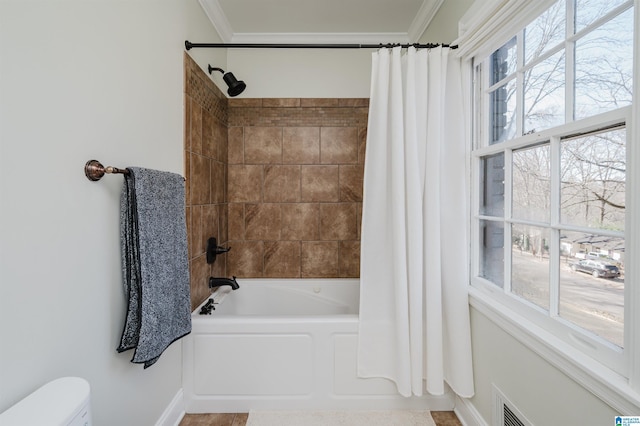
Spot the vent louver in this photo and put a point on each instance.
(505, 413)
(510, 419)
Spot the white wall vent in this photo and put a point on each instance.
(505, 413)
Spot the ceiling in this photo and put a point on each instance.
(320, 21)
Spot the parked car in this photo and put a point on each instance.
(596, 268)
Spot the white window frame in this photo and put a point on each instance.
(563, 345)
(608, 354)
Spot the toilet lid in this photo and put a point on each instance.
(55, 403)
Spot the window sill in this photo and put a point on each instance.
(607, 385)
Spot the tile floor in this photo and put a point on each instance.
(445, 418)
(216, 419)
(442, 418)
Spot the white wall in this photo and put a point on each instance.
(302, 73)
(81, 80)
(542, 393)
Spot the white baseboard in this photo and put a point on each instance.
(174, 412)
(467, 413)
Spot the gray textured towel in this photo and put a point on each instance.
(155, 263)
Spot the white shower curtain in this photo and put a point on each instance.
(414, 312)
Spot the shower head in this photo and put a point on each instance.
(235, 87)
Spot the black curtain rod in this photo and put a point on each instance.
(188, 45)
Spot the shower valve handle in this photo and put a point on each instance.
(213, 249)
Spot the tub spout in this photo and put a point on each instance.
(217, 282)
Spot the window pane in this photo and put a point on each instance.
(503, 112)
(587, 11)
(546, 32)
(604, 67)
(531, 187)
(530, 264)
(544, 94)
(492, 251)
(592, 284)
(593, 175)
(492, 185)
(503, 61)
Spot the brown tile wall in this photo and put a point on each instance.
(278, 180)
(295, 171)
(205, 144)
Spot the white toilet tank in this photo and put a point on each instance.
(61, 402)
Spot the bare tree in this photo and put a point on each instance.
(593, 166)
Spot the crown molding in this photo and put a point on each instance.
(216, 15)
(423, 18)
(221, 24)
(334, 38)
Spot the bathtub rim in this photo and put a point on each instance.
(221, 293)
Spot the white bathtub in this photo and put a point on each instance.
(284, 344)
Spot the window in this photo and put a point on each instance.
(552, 117)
